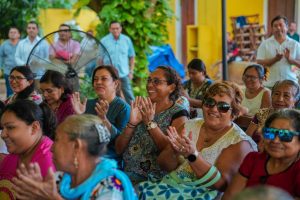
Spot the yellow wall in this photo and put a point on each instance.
(209, 25)
(171, 26)
(244, 7)
(50, 19)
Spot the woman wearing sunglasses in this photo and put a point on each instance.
(279, 164)
(21, 80)
(145, 135)
(285, 94)
(207, 154)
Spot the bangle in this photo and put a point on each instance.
(128, 126)
(133, 125)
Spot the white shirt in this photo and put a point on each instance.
(280, 70)
(23, 50)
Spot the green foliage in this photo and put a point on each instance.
(145, 22)
(16, 13)
(19, 12)
(86, 89)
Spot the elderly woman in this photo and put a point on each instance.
(196, 86)
(145, 136)
(21, 80)
(255, 95)
(205, 161)
(111, 109)
(279, 164)
(285, 94)
(24, 127)
(57, 94)
(80, 143)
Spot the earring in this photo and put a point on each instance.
(76, 162)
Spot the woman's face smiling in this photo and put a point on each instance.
(157, 86)
(103, 83)
(18, 82)
(213, 117)
(282, 150)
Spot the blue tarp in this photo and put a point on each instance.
(164, 55)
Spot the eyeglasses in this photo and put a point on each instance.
(222, 107)
(15, 78)
(283, 134)
(250, 78)
(155, 81)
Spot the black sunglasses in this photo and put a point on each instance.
(283, 134)
(222, 107)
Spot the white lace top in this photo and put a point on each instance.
(211, 153)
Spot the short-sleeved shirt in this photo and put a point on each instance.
(72, 47)
(295, 36)
(280, 70)
(120, 51)
(7, 56)
(23, 50)
(141, 154)
(254, 169)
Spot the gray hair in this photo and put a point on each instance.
(263, 192)
(88, 128)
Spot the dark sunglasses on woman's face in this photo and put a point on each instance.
(222, 107)
(283, 134)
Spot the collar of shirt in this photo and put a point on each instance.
(36, 39)
(112, 37)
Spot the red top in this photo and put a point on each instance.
(254, 168)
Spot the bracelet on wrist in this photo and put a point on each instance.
(131, 125)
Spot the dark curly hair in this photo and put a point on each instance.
(172, 77)
(230, 89)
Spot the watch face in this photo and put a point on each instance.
(151, 125)
(192, 158)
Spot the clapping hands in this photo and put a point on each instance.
(78, 106)
(181, 144)
(142, 109)
(29, 183)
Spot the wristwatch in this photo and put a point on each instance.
(151, 125)
(192, 157)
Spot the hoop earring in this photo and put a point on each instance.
(76, 163)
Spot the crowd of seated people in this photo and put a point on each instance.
(148, 149)
(58, 145)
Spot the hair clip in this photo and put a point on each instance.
(103, 133)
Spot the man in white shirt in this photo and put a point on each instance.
(279, 53)
(26, 45)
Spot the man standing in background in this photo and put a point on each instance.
(7, 55)
(278, 53)
(26, 45)
(292, 33)
(121, 51)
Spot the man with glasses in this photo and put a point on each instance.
(279, 53)
(122, 54)
(7, 55)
